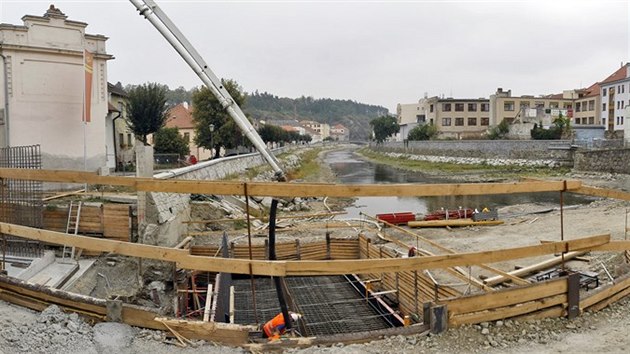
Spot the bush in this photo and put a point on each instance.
(422, 132)
(500, 131)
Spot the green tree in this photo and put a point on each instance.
(146, 109)
(561, 127)
(384, 127)
(500, 131)
(169, 141)
(208, 111)
(423, 132)
(272, 133)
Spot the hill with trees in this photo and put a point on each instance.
(265, 106)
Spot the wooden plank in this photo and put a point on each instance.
(603, 293)
(453, 223)
(602, 192)
(225, 333)
(533, 268)
(507, 312)
(506, 297)
(289, 189)
(284, 268)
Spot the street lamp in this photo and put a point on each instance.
(211, 146)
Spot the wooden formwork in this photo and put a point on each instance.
(530, 300)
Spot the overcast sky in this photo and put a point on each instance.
(378, 52)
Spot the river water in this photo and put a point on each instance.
(352, 170)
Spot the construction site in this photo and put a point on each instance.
(237, 265)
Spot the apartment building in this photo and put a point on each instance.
(615, 97)
(586, 110)
(454, 117)
(322, 129)
(340, 133)
(528, 108)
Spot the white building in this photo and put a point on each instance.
(42, 87)
(615, 99)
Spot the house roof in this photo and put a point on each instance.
(311, 132)
(116, 89)
(180, 117)
(593, 90)
(289, 128)
(339, 126)
(620, 74)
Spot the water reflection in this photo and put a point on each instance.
(351, 170)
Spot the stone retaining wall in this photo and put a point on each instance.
(612, 160)
(558, 150)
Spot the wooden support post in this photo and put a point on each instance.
(267, 249)
(232, 304)
(426, 312)
(397, 288)
(439, 319)
(297, 249)
(415, 288)
(573, 295)
(328, 245)
(206, 311)
(231, 250)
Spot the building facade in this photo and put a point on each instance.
(120, 138)
(340, 133)
(42, 88)
(322, 129)
(615, 97)
(180, 117)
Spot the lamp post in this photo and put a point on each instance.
(211, 145)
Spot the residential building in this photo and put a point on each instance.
(528, 108)
(615, 97)
(316, 137)
(457, 118)
(42, 86)
(180, 117)
(120, 139)
(340, 133)
(586, 110)
(322, 129)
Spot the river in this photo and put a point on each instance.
(350, 169)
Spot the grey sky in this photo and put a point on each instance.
(374, 52)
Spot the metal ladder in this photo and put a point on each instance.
(72, 227)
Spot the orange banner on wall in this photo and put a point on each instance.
(88, 63)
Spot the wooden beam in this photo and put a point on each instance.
(602, 192)
(288, 189)
(289, 268)
(534, 267)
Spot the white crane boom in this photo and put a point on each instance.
(152, 12)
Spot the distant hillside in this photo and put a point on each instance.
(353, 115)
(266, 106)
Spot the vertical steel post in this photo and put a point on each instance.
(272, 257)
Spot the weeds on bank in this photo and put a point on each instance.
(309, 165)
(507, 171)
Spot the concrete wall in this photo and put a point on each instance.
(613, 160)
(503, 149)
(166, 211)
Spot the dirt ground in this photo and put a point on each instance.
(525, 224)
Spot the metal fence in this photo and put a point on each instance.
(21, 200)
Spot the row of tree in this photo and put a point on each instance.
(214, 129)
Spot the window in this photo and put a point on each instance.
(604, 92)
(578, 106)
(485, 121)
(591, 120)
(420, 118)
(603, 106)
(446, 122)
(603, 121)
(591, 105)
(508, 106)
(446, 107)
(187, 137)
(472, 121)
(578, 120)
(431, 108)
(121, 140)
(459, 122)
(459, 107)
(524, 105)
(129, 140)
(539, 105)
(567, 105)
(485, 107)
(472, 107)
(553, 105)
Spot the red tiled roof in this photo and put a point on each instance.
(180, 117)
(289, 128)
(617, 75)
(339, 126)
(592, 90)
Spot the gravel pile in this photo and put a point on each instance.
(53, 332)
(476, 160)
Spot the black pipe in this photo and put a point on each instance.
(272, 257)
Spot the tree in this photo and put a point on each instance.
(169, 141)
(500, 131)
(422, 132)
(561, 126)
(208, 111)
(146, 109)
(384, 127)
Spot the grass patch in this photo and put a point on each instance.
(309, 165)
